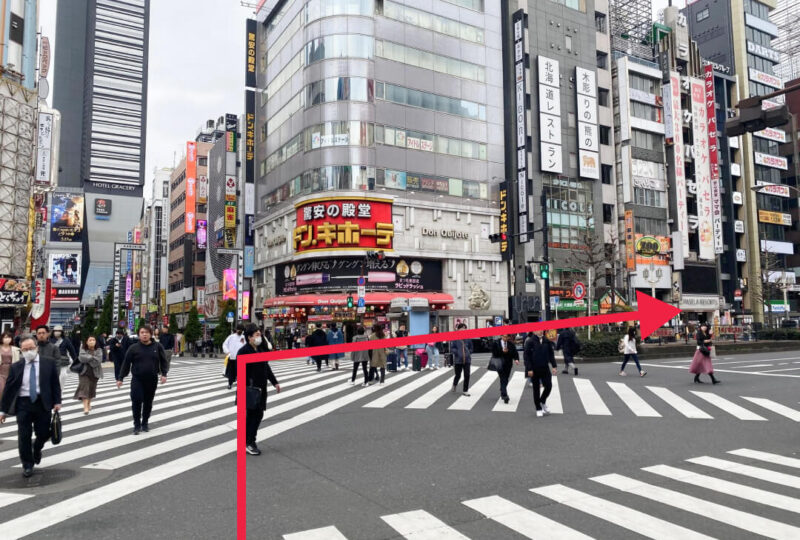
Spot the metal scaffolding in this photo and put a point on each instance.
(631, 25)
(787, 17)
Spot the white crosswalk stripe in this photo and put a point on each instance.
(748, 470)
(635, 403)
(729, 406)
(521, 520)
(421, 380)
(516, 386)
(679, 404)
(325, 533)
(766, 456)
(590, 399)
(554, 399)
(420, 525)
(775, 407)
(476, 391)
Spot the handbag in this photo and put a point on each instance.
(253, 398)
(76, 367)
(55, 428)
(704, 350)
(495, 364)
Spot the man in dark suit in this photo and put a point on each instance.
(32, 392)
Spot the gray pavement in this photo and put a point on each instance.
(374, 463)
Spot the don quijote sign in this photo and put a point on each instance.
(444, 233)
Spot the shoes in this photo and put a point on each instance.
(253, 450)
(539, 414)
(455, 388)
(623, 374)
(381, 383)
(715, 381)
(145, 428)
(319, 369)
(136, 430)
(530, 383)
(565, 372)
(27, 472)
(642, 373)
(576, 372)
(545, 408)
(85, 413)
(364, 384)
(230, 386)
(465, 394)
(505, 400)
(37, 456)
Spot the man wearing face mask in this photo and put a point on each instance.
(66, 349)
(32, 392)
(231, 347)
(145, 360)
(258, 373)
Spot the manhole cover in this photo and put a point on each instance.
(50, 480)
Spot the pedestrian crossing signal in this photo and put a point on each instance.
(349, 302)
(544, 270)
(498, 237)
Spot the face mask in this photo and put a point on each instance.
(56, 335)
(29, 355)
(257, 341)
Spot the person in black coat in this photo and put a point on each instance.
(145, 360)
(167, 341)
(32, 403)
(117, 348)
(258, 373)
(538, 366)
(506, 349)
(568, 343)
(318, 338)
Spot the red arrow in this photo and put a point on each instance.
(651, 314)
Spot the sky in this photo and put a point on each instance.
(196, 69)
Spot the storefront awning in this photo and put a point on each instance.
(371, 299)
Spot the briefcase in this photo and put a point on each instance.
(55, 428)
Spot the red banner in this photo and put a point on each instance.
(40, 311)
(713, 159)
(336, 224)
(191, 187)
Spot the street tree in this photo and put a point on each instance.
(104, 322)
(595, 254)
(771, 268)
(173, 324)
(223, 329)
(90, 323)
(193, 329)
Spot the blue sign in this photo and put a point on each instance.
(498, 320)
(249, 260)
(229, 316)
(362, 281)
(360, 302)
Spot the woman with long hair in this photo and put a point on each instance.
(360, 357)
(701, 362)
(432, 348)
(91, 359)
(629, 342)
(8, 355)
(377, 356)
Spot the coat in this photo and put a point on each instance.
(50, 387)
(92, 361)
(378, 356)
(258, 373)
(335, 337)
(462, 351)
(567, 342)
(50, 351)
(542, 357)
(508, 357)
(532, 342)
(317, 339)
(360, 356)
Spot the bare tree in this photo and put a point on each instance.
(771, 265)
(593, 252)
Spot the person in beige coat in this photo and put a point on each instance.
(8, 355)
(377, 357)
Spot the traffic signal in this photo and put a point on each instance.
(544, 270)
(349, 302)
(498, 237)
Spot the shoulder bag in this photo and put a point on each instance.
(253, 396)
(76, 367)
(495, 364)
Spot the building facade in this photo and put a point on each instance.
(379, 127)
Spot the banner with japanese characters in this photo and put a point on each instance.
(522, 123)
(550, 155)
(702, 171)
(338, 224)
(674, 134)
(713, 159)
(588, 141)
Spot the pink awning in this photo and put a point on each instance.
(372, 298)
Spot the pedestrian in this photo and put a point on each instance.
(540, 365)
(629, 347)
(91, 358)
(32, 392)
(532, 341)
(701, 362)
(145, 361)
(402, 351)
(67, 351)
(335, 337)
(462, 360)
(50, 351)
(102, 341)
(258, 373)
(231, 347)
(360, 358)
(568, 343)
(317, 338)
(377, 357)
(505, 349)
(167, 341)
(117, 348)
(75, 340)
(432, 348)
(9, 354)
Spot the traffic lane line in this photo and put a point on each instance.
(762, 373)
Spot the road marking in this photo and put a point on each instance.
(7, 499)
(623, 516)
(785, 375)
(634, 402)
(728, 406)
(391, 397)
(590, 399)
(779, 370)
(325, 533)
(521, 520)
(420, 525)
(766, 456)
(755, 366)
(431, 396)
(741, 491)
(477, 391)
(758, 473)
(679, 404)
(775, 407)
(554, 399)
(736, 518)
(516, 386)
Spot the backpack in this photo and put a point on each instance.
(621, 346)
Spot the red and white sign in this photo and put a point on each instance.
(191, 187)
(702, 171)
(768, 104)
(230, 188)
(579, 291)
(40, 311)
(777, 135)
(774, 189)
(713, 159)
(765, 78)
(672, 101)
(776, 162)
(337, 224)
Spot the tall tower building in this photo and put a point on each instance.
(101, 88)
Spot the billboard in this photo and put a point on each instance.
(191, 187)
(713, 159)
(64, 269)
(102, 209)
(652, 249)
(13, 292)
(630, 260)
(44, 149)
(702, 171)
(66, 217)
(250, 58)
(202, 189)
(229, 284)
(674, 133)
(351, 223)
(506, 247)
(202, 234)
(250, 137)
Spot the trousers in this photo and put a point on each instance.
(458, 369)
(355, 371)
(373, 373)
(143, 391)
(543, 377)
(31, 418)
(635, 359)
(254, 417)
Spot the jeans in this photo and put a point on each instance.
(635, 359)
(373, 373)
(433, 356)
(355, 371)
(546, 380)
(143, 391)
(458, 369)
(31, 418)
(404, 354)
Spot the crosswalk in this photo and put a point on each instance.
(194, 423)
(633, 502)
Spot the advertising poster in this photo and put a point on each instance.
(14, 292)
(202, 234)
(191, 187)
(333, 224)
(249, 260)
(702, 171)
(229, 284)
(66, 217)
(672, 102)
(65, 269)
(395, 179)
(630, 253)
(102, 209)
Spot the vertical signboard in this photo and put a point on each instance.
(550, 115)
(44, 148)
(713, 159)
(588, 140)
(672, 106)
(191, 187)
(505, 245)
(630, 248)
(250, 136)
(702, 170)
(522, 123)
(250, 60)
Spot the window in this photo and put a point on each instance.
(608, 213)
(430, 21)
(338, 46)
(605, 135)
(650, 226)
(202, 161)
(702, 15)
(317, 9)
(428, 60)
(339, 89)
(606, 173)
(459, 107)
(600, 22)
(645, 111)
(603, 97)
(649, 197)
(645, 84)
(578, 5)
(476, 5)
(647, 140)
(602, 60)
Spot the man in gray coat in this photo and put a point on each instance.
(462, 359)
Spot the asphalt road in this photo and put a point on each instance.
(383, 462)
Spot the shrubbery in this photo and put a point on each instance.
(779, 334)
(602, 345)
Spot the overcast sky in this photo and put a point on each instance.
(196, 69)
